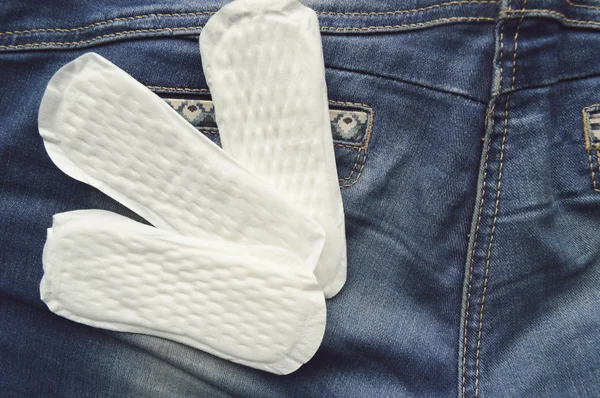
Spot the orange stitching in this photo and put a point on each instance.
(367, 140)
(598, 161)
(586, 130)
(551, 12)
(588, 144)
(325, 28)
(358, 153)
(359, 172)
(408, 25)
(101, 37)
(187, 14)
(592, 170)
(67, 30)
(572, 4)
(497, 204)
(349, 146)
(178, 88)
(410, 11)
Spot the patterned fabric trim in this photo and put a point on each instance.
(591, 126)
(349, 124)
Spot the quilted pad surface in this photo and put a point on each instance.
(256, 306)
(246, 243)
(102, 127)
(264, 65)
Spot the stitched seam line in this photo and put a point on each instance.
(409, 11)
(598, 161)
(70, 43)
(348, 146)
(203, 90)
(359, 172)
(409, 25)
(408, 82)
(588, 143)
(358, 153)
(592, 170)
(497, 204)
(365, 147)
(325, 28)
(189, 14)
(108, 21)
(572, 4)
(477, 226)
(550, 12)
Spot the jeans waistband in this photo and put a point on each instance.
(37, 25)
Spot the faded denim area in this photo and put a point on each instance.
(472, 201)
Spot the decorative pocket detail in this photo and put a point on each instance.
(591, 132)
(351, 127)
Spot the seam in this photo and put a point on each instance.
(550, 12)
(592, 170)
(189, 14)
(324, 28)
(117, 34)
(557, 81)
(356, 159)
(589, 146)
(359, 172)
(365, 147)
(497, 204)
(203, 90)
(408, 82)
(105, 22)
(477, 226)
(408, 25)
(598, 159)
(348, 146)
(573, 4)
(407, 11)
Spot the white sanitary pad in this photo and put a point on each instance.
(263, 63)
(244, 241)
(104, 128)
(223, 236)
(256, 306)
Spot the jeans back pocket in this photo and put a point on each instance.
(351, 127)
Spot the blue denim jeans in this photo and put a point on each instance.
(472, 201)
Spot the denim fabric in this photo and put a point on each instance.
(472, 209)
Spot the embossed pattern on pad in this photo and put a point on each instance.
(263, 63)
(104, 128)
(256, 306)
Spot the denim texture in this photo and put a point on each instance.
(472, 209)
